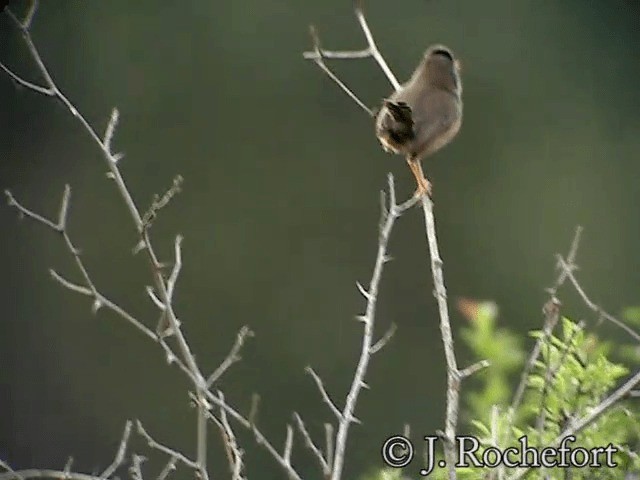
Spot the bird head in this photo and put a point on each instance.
(442, 69)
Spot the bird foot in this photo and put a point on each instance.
(424, 188)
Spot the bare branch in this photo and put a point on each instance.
(472, 369)
(250, 424)
(371, 51)
(318, 59)
(329, 448)
(201, 439)
(120, 453)
(159, 202)
(365, 294)
(346, 417)
(168, 468)
(233, 356)
(567, 271)
(177, 266)
(453, 374)
(386, 338)
(135, 470)
(64, 209)
(28, 18)
(323, 393)
(288, 445)
(114, 173)
(571, 258)
(25, 212)
(317, 454)
(111, 128)
(44, 473)
(11, 473)
(154, 445)
(67, 473)
(234, 453)
(373, 48)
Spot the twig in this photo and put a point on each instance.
(120, 453)
(317, 57)
(370, 51)
(202, 431)
(135, 470)
(234, 452)
(90, 289)
(567, 270)
(168, 468)
(328, 440)
(317, 454)
(154, 445)
(386, 338)
(250, 424)
(244, 333)
(323, 392)
(45, 473)
(67, 473)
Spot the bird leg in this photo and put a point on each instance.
(424, 185)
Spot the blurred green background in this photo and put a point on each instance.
(280, 206)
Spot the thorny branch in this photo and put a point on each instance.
(454, 375)
(165, 288)
(346, 416)
(117, 462)
(567, 269)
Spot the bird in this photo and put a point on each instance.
(425, 113)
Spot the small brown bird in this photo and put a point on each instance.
(425, 113)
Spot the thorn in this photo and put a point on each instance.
(362, 318)
(10, 200)
(365, 385)
(138, 248)
(170, 358)
(116, 157)
(97, 304)
(110, 175)
(355, 420)
(362, 290)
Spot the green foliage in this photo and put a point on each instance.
(572, 375)
(504, 352)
